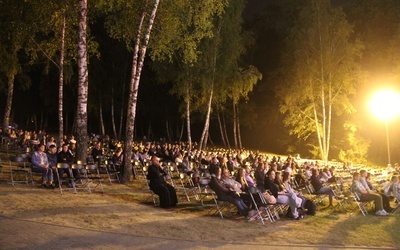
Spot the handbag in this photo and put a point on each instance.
(269, 198)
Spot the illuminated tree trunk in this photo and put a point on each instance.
(81, 117)
(61, 87)
(137, 65)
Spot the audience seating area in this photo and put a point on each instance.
(189, 172)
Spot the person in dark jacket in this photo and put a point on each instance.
(159, 186)
(225, 194)
(319, 187)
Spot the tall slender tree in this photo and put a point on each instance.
(320, 72)
(83, 82)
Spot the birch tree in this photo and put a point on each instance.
(83, 82)
(319, 72)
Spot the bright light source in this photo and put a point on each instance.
(385, 104)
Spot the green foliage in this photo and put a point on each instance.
(356, 148)
(319, 71)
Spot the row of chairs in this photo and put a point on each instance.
(19, 171)
(87, 177)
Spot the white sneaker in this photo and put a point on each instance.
(381, 213)
(386, 213)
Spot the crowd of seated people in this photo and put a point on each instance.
(240, 168)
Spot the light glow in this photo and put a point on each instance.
(385, 104)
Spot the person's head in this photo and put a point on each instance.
(271, 174)
(41, 147)
(248, 169)
(278, 176)
(98, 145)
(356, 176)
(65, 147)
(155, 160)
(53, 149)
(225, 173)
(363, 173)
(315, 171)
(217, 171)
(395, 179)
(286, 176)
(241, 172)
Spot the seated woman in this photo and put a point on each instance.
(240, 177)
(281, 196)
(159, 186)
(226, 194)
(365, 195)
(319, 188)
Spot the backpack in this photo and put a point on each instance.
(311, 207)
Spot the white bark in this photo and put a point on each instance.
(61, 86)
(81, 117)
(137, 65)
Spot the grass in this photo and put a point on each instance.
(126, 209)
(122, 209)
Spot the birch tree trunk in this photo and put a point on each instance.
(203, 139)
(238, 127)
(10, 93)
(235, 126)
(137, 65)
(221, 129)
(113, 114)
(103, 131)
(81, 116)
(187, 100)
(61, 86)
(225, 131)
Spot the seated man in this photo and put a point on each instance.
(392, 188)
(52, 157)
(64, 156)
(40, 164)
(365, 195)
(319, 188)
(225, 194)
(159, 186)
(97, 152)
(368, 186)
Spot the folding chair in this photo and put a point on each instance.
(69, 180)
(18, 171)
(137, 169)
(93, 177)
(317, 198)
(396, 209)
(362, 205)
(261, 206)
(188, 186)
(220, 206)
(113, 173)
(204, 189)
(83, 181)
(145, 186)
